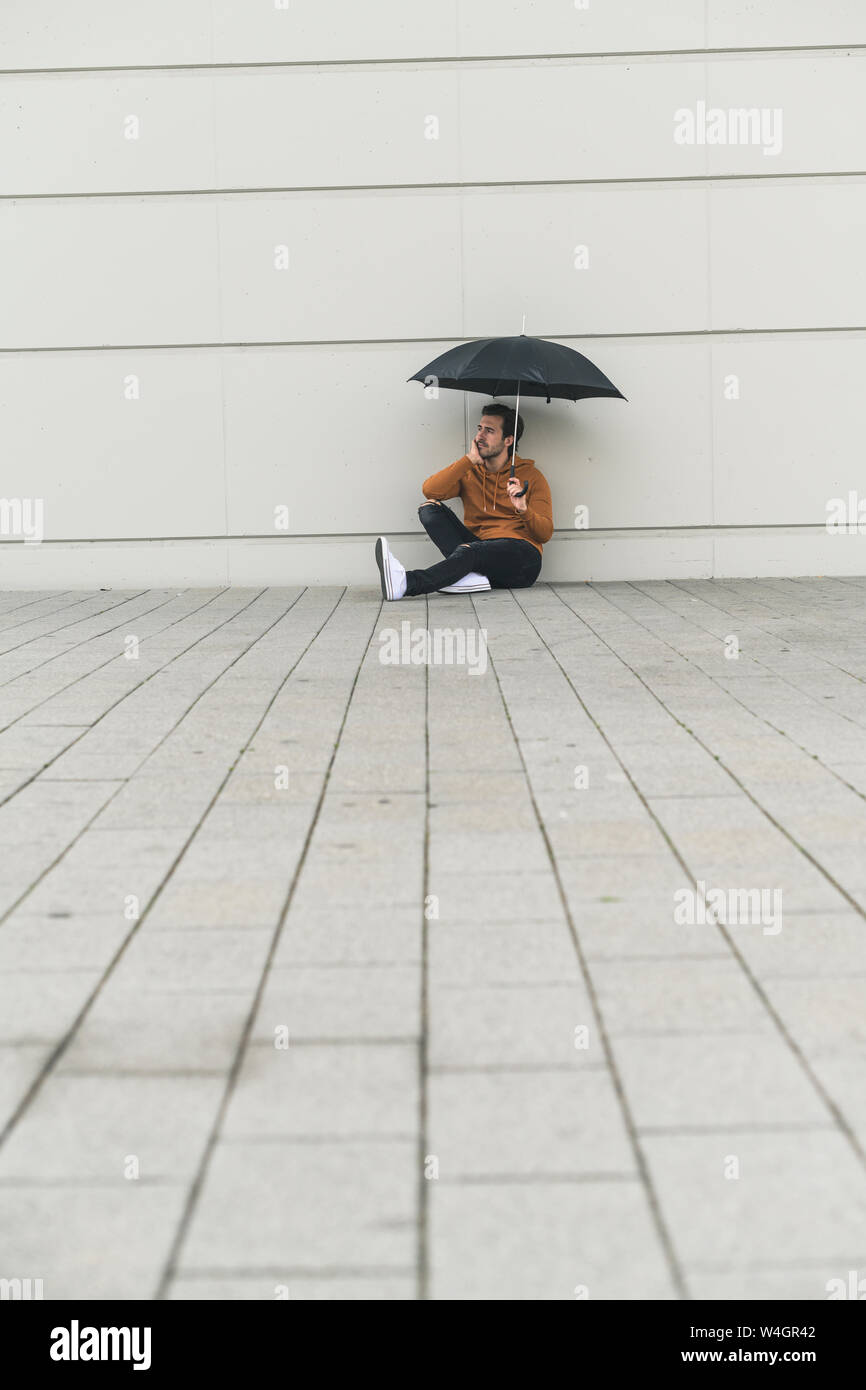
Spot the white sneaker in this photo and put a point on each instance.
(471, 583)
(391, 572)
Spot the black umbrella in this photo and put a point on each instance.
(518, 366)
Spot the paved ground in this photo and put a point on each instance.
(332, 977)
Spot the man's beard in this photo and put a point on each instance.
(492, 456)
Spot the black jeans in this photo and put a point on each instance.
(508, 563)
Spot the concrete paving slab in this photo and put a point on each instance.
(737, 1197)
(504, 1025)
(329, 1288)
(326, 1091)
(728, 1081)
(545, 1241)
(113, 1130)
(377, 1001)
(501, 1125)
(288, 1206)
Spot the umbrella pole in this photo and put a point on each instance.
(514, 440)
(516, 413)
(514, 444)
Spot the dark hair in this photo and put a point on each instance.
(507, 416)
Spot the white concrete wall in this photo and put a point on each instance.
(164, 387)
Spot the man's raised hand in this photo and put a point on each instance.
(514, 487)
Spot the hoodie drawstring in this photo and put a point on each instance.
(484, 488)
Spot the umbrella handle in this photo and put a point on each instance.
(523, 491)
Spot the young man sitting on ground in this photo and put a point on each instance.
(498, 544)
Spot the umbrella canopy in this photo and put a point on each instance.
(515, 367)
(518, 366)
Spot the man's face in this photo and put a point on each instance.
(488, 437)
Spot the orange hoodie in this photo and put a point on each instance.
(487, 509)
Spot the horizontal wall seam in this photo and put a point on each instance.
(560, 533)
(652, 179)
(439, 337)
(448, 60)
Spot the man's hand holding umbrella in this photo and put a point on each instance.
(516, 493)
